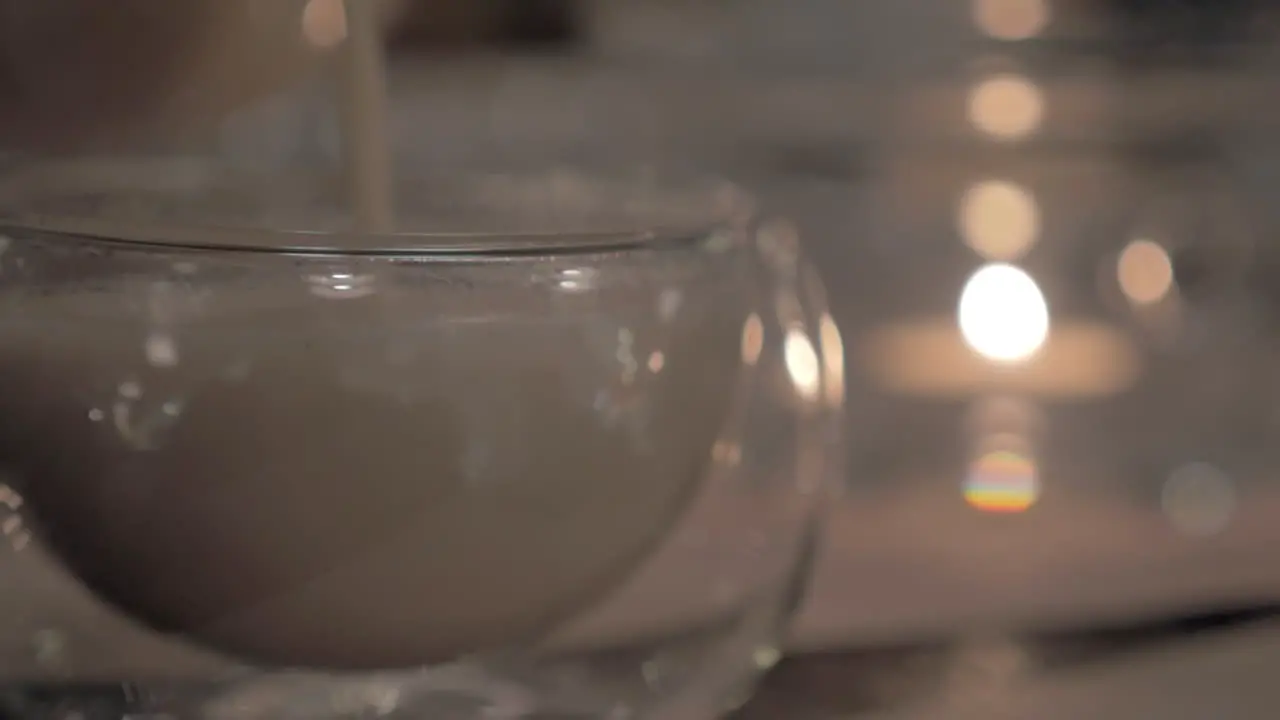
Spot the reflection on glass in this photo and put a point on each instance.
(1145, 272)
(324, 23)
(1011, 19)
(1007, 107)
(13, 527)
(1199, 499)
(999, 220)
(802, 364)
(1002, 481)
(341, 285)
(577, 280)
(832, 361)
(1003, 314)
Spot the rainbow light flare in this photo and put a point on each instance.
(1002, 482)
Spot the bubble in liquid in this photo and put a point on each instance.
(162, 351)
(140, 421)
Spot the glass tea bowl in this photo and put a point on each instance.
(562, 458)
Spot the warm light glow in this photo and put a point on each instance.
(802, 364)
(1145, 272)
(930, 359)
(657, 361)
(1008, 107)
(832, 361)
(1003, 481)
(1003, 315)
(1011, 19)
(324, 23)
(999, 220)
(752, 339)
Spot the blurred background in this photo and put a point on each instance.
(1045, 228)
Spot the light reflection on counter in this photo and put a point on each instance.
(929, 358)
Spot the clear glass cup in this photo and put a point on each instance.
(290, 429)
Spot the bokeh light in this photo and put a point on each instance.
(1145, 272)
(1007, 107)
(999, 220)
(324, 23)
(1002, 481)
(1011, 19)
(1003, 314)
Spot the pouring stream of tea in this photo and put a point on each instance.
(363, 108)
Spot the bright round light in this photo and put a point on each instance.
(1003, 315)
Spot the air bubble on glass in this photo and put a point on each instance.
(49, 646)
(766, 656)
(141, 423)
(625, 355)
(238, 371)
(669, 302)
(727, 453)
(12, 526)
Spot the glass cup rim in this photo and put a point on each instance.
(652, 214)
